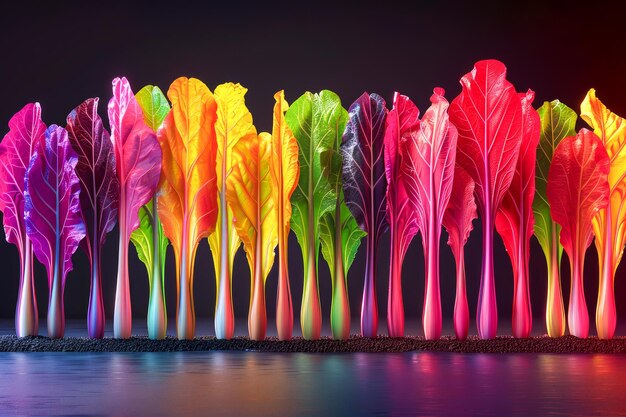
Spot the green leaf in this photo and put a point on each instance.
(557, 122)
(316, 120)
(351, 236)
(142, 238)
(154, 105)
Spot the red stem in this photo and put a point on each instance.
(395, 303)
(461, 309)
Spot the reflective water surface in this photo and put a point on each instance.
(254, 383)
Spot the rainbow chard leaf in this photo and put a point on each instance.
(314, 120)
(610, 223)
(514, 220)
(52, 216)
(402, 121)
(149, 239)
(234, 123)
(138, 167)
(340, 236)
(557, 122)
(98, 197)
(428, 157)
(577, 190)
(457, 220)
(255, 219)
(285, 170)
(26, 130)
(187, 196)
(364, 187)
(488, 116)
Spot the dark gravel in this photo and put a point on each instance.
(543, 344)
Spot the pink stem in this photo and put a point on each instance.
(122, 316)
(522, 319)
(577, 315)
(26, 316)
(461, 309)
(395, 304)
(487, 314)
(431, 315)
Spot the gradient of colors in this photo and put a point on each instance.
(195, 167)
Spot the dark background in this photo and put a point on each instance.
(60, 55)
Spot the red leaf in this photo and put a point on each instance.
(515, 219)
(488, 116)
(577, 189)
(401, 121)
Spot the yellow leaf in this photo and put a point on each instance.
(609, 223)
(234, 123)
(250, 198)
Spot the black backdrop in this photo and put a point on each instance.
(60, 55)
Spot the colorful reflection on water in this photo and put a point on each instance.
(254, 383)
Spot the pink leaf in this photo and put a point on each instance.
(428, 157)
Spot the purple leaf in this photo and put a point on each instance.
(52, 206)
(96, 172)
(365, 186)
(99, 196)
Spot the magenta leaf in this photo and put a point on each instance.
(428, 157)
(98, 198)
(488, 116)
(138, 167)
(364, 187)
(402, 120)
(25, 130)
(52, 215)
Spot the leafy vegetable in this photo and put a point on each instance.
(488, 116)
(234, 123)
(98, 197)
(577, 190)
(255, 218)
(457, 220)
(340, 236)
(315, 120)
(52, 216)
(187, 196)
(26, 130)
(428, 156)
(557, 122)
(514, 220)
(609, 225)
(285, 171)
(364, 187)
(151, 246)
(138, 166)
(402, 121)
